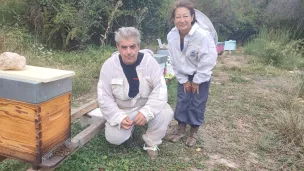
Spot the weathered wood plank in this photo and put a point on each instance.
(76, 142)
(51, 163)
(86, 135)
(78, 112)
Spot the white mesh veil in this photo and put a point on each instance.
(205, 23)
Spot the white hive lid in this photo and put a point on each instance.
(38, 74)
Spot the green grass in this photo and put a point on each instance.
(99, 154)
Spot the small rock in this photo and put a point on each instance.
(198, 149)
(187, 159)
(228, 163)
(291, 72)
(230, 97)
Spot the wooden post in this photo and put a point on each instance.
(76, 113)
(2, 158)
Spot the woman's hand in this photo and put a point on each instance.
(195, 88)
(187, 87)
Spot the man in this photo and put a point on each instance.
(132, 92)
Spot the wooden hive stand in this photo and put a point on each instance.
(95, 123)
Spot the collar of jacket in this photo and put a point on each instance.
(191, 32)
(143, 64)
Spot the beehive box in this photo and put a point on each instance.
(230, 45)
(35, 107)
(160, 58)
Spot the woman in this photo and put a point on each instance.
(193, 55)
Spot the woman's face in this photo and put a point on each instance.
(183, 20)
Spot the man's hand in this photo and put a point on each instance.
(140, 119)
(187, 87)
(195, 88)
(126, 123)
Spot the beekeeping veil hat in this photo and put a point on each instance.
(204, 22)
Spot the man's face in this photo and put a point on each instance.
(128, 49)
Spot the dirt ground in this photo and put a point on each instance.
(239, 117)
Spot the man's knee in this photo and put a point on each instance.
(166, 115)
(167, 112)
(112, 139)
(116, 136)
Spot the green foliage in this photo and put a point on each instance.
(286, 14)
(172, 92)
(71, 25)
(237, 20)
(12, 13)
(14, 39)
(74, 24)
(275, 47)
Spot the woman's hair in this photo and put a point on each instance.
(186, 4)
(127, 33)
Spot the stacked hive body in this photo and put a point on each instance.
(35, 107)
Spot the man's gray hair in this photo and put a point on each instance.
(126, 33)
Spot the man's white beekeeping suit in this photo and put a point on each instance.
(151, 100)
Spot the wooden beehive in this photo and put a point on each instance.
(34, 112)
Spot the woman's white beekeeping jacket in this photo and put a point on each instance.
(198, 56)
(113, 88)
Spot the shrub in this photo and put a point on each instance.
(14, 39)
(275, 47)
(12, 13)
(75, 24)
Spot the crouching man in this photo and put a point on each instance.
(132, 92)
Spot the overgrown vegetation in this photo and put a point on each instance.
(71, 24)
(276, 47)
(287, 15)
(290, 121)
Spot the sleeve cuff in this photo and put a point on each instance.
(202, 80)
(118, 120)
(147, 113)
(183, 80)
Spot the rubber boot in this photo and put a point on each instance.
(179, 133)
(191, 140)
